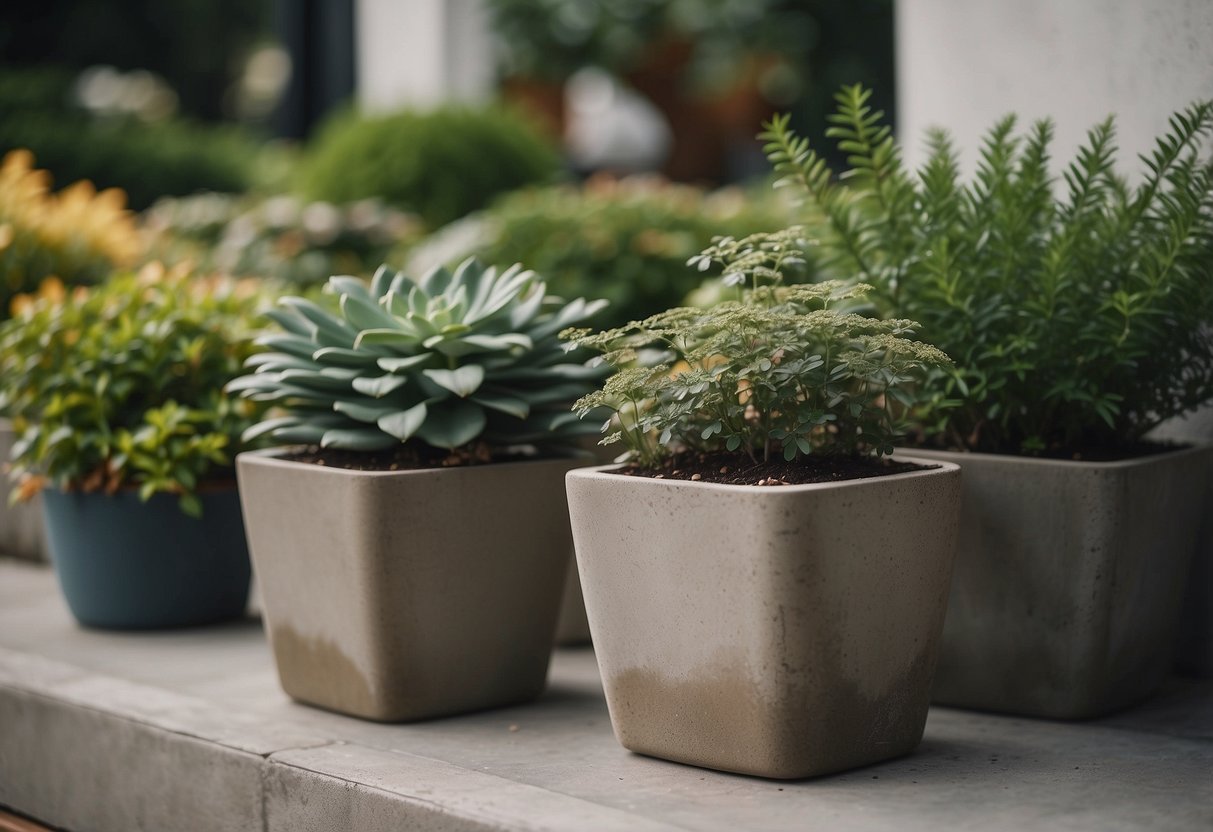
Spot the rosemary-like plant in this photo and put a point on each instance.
(1076, 321)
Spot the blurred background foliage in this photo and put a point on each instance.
(230, 130)
(624, 240)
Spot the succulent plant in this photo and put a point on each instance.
(447, 359)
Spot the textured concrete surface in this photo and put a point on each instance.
(1069, 580)
(189, 730)
(403, 595)
(768, 631)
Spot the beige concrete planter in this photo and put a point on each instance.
(1069, 578)
(404, 595)
(22, 533)
(785, 632)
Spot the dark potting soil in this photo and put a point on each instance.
(738, 469)
(404, 458)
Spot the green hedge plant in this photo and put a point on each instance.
(440, 164)
(626, 240)
(465, 361)
(146, 159)
(1076, 310)
(121, 386)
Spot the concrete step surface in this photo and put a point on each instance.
(188, 730)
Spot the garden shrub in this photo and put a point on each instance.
(627, 241)
(75, 235)
(440, 164)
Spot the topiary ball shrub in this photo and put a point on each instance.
(440, 164)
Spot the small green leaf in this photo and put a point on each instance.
(452, 424)
(462, 381)
(400, 365)
(402, 424)
(379, 386)
(357, 439)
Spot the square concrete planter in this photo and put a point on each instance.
(401, 595)
(22, 531)
(1194, 644)
(1069, 579)
(784, 632)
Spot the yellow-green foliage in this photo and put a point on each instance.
(121, 385)
(76, 235)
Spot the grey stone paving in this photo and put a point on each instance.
(188, 730)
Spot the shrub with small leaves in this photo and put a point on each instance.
(782, 371)
(121, 385)
(450, 359)
(439, 164)
(1077, 321)
(623, 240)
(281, 237)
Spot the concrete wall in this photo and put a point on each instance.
(963, 63)
(422, 52)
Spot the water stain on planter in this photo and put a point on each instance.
(314, 670)
(815, 721)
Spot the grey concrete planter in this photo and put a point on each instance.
(408, 594)
(1194, 644)
(785, 632)
(22, 533)
(1069, 578)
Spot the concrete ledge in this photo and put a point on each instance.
(188, 730)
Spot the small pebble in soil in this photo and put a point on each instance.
(696, 477)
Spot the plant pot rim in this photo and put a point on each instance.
(205, 487)
(938, 466)
(274, 457)
(939, 455)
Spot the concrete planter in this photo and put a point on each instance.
(21, 528)
(784, 632)
(126, 564)
(1069, 578)
(402, 595)
(1194, 645)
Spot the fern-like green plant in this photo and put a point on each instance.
(445, 360)
(1075, 321)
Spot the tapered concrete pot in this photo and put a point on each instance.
(784, 632)
(22, 530)
(1194, 641)
(402, 595)
(1069, 579)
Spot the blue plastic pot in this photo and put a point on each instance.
(124, 564)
